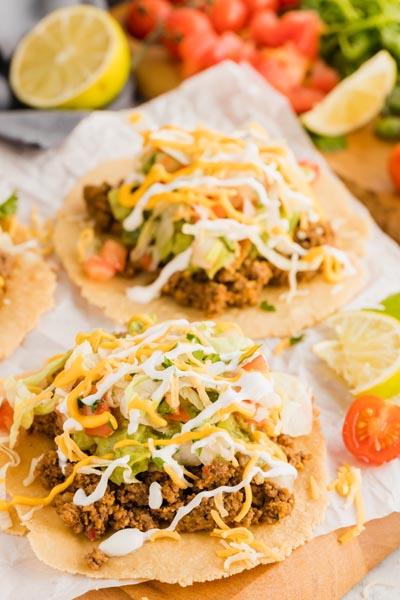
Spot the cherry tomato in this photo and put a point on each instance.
(103, 430)
(114, 254)
(181, 24)
(322, 77)
(265, 29)
(227, 15)
(258, 5)
(98, 269)
(145, 15)
(371, 430)
(6, 415)
(394, 165)
(304, 98)
(303, 27)
(284, 67)
(256, 364)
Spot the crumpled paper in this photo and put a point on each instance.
(224, 97)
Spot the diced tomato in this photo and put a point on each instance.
(256, 364)
(394, 165)
(286, 4)
(114, 254)
(284, 67)
(145, 261)
(322, 77)
(182, 416)
(103, 430)
(6, 415)
(303, 28)
(227, 15)
(98, 269)
(181, 24)
(304, 98)
(258, 5)
(371, 430)
(265, 29)
(219, 211)
(194, 50)
(228, 46)
(311, 169)
(144, 16)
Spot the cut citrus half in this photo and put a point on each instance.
(366, 352)
(355, 100)
(76, 57)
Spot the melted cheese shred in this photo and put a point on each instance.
(348, 485)
(170, 391)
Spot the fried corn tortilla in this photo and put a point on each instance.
(317, 298)
(192, 558)
(28, 294)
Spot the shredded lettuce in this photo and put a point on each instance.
(9, 206)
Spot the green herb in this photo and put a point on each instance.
(193, 338)
(167, 363)
(164, 408)
(296, 339)
(201, 355)
(328, 144)
(9, 207)
(388, 128)
(146, 167)
(356, 30)
(265, 305)
(228, 244)
(213, 395)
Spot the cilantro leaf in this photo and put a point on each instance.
(265, 305)
(296, 339)
(9, 207)
(327, 143)
(193, 338)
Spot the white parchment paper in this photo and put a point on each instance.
(224, 97)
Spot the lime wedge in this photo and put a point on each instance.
(355, 100)
(365, 352)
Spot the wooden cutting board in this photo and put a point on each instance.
(322, 569)
(363, 168)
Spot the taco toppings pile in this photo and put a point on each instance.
(26, 282)
(137, 452)
(210, 219)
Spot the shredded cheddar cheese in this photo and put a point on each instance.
(348, 485)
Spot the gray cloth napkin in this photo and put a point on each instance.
(43, 128)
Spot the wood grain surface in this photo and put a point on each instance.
(322, 570)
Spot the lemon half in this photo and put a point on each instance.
(366, 352)
(355, 100)
(76, 57)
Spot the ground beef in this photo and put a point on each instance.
(126, 505)
(49, 424)
(99, 209)
(96, 558)
(316, 234)
(6, 264)
(297, 458)
(240, 287)
(48, 471)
